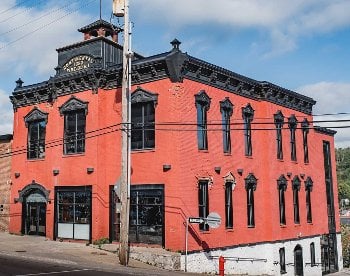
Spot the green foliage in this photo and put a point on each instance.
(101, 241)
(345, 240)
(343, 172)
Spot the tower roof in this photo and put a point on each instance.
(92, 28)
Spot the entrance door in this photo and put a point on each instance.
(298, 261)
(36, 218)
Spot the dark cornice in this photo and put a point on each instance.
(97, 23)
(174, 65)
(325, 130)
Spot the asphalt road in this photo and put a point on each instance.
(19, 266)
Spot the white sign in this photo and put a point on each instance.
(213, 220)
(195, 220)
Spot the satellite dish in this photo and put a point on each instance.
(213, 220)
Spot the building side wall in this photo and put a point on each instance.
(249, 260)
(5, 185)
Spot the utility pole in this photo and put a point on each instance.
(121, 9)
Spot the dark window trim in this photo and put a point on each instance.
(296, 188)
(305, 129)
(312, 254)
(292, 124)
(282, 254)
(279, 121)
(202, 102)
(308, 189)
(282, 187)
(226, 109)
(203, 202)
(228, 204)
(248, 116)
(250, 186)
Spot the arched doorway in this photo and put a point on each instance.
(34, 198)
(298, 261)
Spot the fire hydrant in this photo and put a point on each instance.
(221, 266)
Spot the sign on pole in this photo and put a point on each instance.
(118, 8)
(195, 220)
(213, 220)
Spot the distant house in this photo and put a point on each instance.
(203, 139)
(5, 180)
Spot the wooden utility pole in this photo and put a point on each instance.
(121, 9)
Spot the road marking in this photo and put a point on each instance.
(55, 272)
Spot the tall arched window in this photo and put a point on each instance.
(298, 261)
(248, 116)
(250, 186)
(279, 121)
(226, 108)
(282, 187)
(202, 105)
(292, 124)
(296, 188)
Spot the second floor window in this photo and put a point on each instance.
(296, 188)
(203, 203)
(279, 121)
(305, 129)
(74, 112)
(282, 186)
(143, 119)
(250, 186)
(248, 115)
(282, 254)
(202, 105)
(226, 108)
(292, 124)
(36, 122)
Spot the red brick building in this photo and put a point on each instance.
(5, 180)
(203, 139)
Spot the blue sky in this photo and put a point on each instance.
(302, 45)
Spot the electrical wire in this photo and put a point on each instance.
(46, 25)
(14, 6)
(20, 12)
(37, 19)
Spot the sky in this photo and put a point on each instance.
(301, 45)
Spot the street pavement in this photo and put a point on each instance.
(33, 255)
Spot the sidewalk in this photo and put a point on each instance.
(68, 253)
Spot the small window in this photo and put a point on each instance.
(292, 124)
(296, 188)
(143, 119)
(308, 190)
(74, 112)
(279, 121)
(203, 203)
(305, 129)
(36, 122)
(202, 105)
(248, 115)
(312, 254)
(250, 186)
(228, 205)
(282, 254)
(282, 186)
(226, 108)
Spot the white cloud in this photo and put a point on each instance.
(283, 21)
(6, 116)
(332, 98)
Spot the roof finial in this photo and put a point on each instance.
(19, 83)
(176, 44)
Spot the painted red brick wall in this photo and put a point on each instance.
(177, 145)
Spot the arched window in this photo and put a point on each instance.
(282, 187)
(292, 124)
(250, 186)
(74, 112)
(36, 121)
(308, 189)
(298, 261)
(305, 129)
(202, 105)
(248, 116)
(279, 121)
(226, 108)
(296, 188)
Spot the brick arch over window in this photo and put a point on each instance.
(32, 188)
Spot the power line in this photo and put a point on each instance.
(38, 18)
(20, 12)
(44, 26)
(14, 6)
